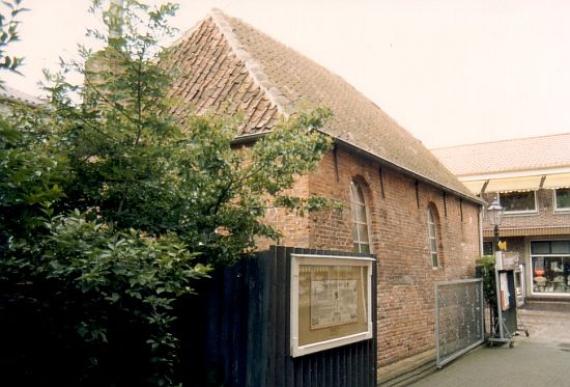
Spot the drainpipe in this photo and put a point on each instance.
(480, 219)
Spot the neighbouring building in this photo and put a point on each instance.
(531, 178)
(10, 97)
(400, 202)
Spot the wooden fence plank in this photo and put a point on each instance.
(247, 332)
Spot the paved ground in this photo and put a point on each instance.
(543, 359)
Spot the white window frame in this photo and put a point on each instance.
(325, 260)
(355, 222)
(523, 212)
(433, 235)
(555, 202)
(531, 272)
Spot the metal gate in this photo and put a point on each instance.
(458, 318)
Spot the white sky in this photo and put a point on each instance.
(450, 71)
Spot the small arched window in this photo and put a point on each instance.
(433, 238)
(360, 238)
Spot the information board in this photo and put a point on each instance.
(330, 302)
(333, 302)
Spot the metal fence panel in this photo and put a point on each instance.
(458, 318)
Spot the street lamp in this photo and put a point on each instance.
(495, 213)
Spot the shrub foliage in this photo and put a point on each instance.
(111, 208)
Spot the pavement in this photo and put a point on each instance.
(542, 359)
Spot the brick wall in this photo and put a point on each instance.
(545, 217)
(293, 228)
(399, 239)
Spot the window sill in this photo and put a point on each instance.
(519, 213)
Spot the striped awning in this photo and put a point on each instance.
(514, 184)
(474, 186)
(527, 231)
(561, 180)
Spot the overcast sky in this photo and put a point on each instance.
(451, 72)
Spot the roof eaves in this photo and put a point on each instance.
(249, 138)
(398, 167)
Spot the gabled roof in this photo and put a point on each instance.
(520, 154)
(228, 66)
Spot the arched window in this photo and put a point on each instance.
(361, 241)
(433, 238)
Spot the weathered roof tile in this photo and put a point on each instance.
(517, 154)
(235, 66)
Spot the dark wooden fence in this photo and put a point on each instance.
(236, 332)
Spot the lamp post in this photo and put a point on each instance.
(495, 213)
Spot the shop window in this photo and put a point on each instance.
(551, 267)
(433, 238)
(360, 226)
(562, 199)
(518, 202)
(550, 247)
(540, 247)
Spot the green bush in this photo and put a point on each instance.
(111, 209)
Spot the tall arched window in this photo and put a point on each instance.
(433, 238)
(361, 241)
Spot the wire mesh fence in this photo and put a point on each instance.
(459, 324)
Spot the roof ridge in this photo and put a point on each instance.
(253, 67)
(279, 78)
(338, 77)
(499, 141)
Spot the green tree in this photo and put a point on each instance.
(9, 10)
(112, 207)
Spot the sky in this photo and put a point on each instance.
(450, 71)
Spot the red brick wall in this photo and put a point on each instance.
(399, 239)
(546, 216)
(294, 228)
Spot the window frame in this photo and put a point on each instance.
(432, 228)
(521, 212)
(359, 187)
(555, 202)
(545, 256)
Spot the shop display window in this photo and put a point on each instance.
(551, 267)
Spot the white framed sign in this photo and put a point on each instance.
(330, 301)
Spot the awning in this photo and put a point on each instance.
(561, 180)
(527, 231)
(474, 186)
(514, 184)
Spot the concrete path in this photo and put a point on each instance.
(541, 360)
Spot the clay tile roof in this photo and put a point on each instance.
(518, 154)
(228, 66)
(14, 95)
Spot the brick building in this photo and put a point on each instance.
(399, 202)
(531, 177)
